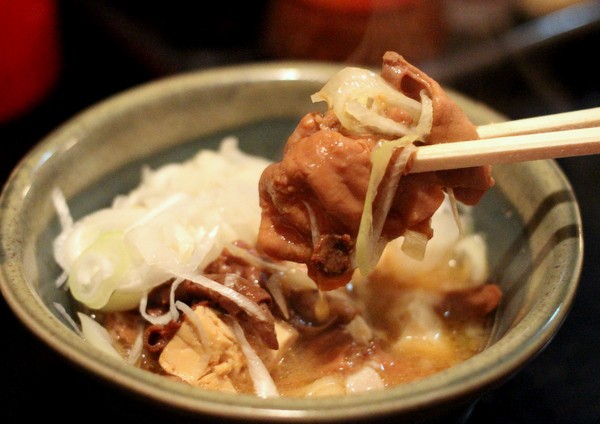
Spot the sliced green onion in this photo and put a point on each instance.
(99, 269)
(369, 245)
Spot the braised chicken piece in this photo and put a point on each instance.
(313, 199)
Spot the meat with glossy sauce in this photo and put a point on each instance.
(322, 181)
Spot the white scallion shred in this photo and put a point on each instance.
(196, 323)
(369, 244)
(255, 260)
(314, 228)
(61, 280)
(172, 315)
(455, 214)
(242, 301)
(63, 312)
(359, 98)
(273, 284)
(97, 335)
(62, 209)
(390, 188)
(136, 349)
(426, 118)
(172, 306)
(155, 320)
(264, 386)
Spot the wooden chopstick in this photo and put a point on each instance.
(584, 118)
(544, 137)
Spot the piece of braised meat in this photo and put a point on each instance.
(312, 200)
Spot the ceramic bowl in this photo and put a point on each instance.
(531, 220)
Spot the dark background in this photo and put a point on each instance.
(538, 66)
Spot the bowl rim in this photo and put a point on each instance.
(509, 354)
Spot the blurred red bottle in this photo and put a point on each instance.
(29, 54)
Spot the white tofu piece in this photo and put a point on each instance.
(212, 367)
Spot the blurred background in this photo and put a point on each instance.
(520, 57)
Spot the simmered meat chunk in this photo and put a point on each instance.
(314, 196)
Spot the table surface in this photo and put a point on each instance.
(561, 384)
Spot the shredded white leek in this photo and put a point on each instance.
(177, 220)
(136, 349)
(389, 190)
(97, 335)
(359, 98)
(63, 312)
(196, 323)
(172, 315)
(314, 228)
(455, 214)
(155, 320)
(172, 307)
(242, 301)
(264, 386)
(369, 244)
(61, 280)
(62, 209)
(273, 284)
(255, 260)
(426, 118)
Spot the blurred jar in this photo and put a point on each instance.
(29, 54)
(355, 31)
(478, 19)
(537, 8)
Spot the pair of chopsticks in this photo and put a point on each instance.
(544, 137)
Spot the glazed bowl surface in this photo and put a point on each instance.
(530, 218)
